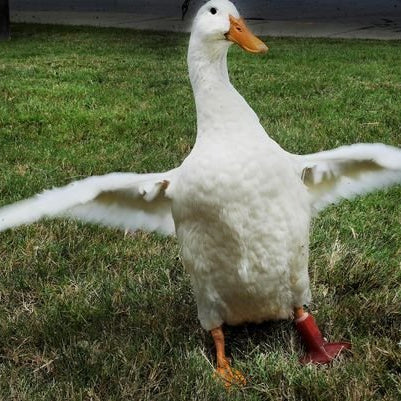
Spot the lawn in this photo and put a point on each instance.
(88, 313)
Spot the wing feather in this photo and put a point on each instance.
(123, 200)
(349, 171)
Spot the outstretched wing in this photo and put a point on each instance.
(123, 200)
(349, 171)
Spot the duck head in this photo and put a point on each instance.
(218, 25)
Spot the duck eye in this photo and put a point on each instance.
(213, 10)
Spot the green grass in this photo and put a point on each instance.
(88, 314)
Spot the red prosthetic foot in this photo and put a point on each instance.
(319, 351)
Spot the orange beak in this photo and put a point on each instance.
(240, 34)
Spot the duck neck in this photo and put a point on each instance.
(207, 65)
(216, 99)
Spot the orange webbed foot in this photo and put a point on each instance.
(229, 376)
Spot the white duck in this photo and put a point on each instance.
(240, 205)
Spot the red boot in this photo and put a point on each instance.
(319, 351)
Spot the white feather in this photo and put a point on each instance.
(349, 171)
(124, 200)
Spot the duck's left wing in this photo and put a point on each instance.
(122, 200)
(349, 171)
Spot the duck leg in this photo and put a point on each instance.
(319, 351)
(224, 370)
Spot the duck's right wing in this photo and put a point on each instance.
(348, 171)
(123, 200)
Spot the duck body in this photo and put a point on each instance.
(240, 209)
(245, 249)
